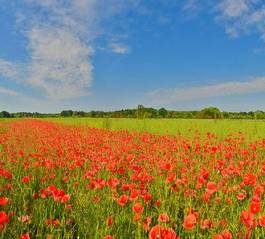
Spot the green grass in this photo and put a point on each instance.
(252, 129)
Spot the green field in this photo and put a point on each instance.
(252, 129)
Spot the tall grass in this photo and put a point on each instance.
(252, 129)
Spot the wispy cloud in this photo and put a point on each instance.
(191, 6)
(12, 70)
(6, 91)
(233, 8)
(242, 16)
(237, 16)
(61, 37)
(167, 96)
(60, 63)
(120, 48)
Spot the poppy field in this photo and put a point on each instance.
(63, 181)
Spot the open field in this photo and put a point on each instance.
(60, 181)
(252, 129)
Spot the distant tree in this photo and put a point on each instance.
(162, 112)
(210, 113)
(79, 113)
(140, 112)
(67, 113)
(259, 114)
(5, 114)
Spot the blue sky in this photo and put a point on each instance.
(106, 55)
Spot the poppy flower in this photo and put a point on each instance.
(262, 221)
(162, 233)
(108, 237)
(147, 222)
(65, 198)
(189, 222)
(206, 224)
(25, 179)
(134, 195)
(147, 197)
(25, 236)
(109, 221)
(163, 217)
(3, 201)
(241, 196)
(259, 190)
(247, 218)
(211, 187)
(227, 234)
(123, 200)
(249, 179)
(3, 218)
(138, 208)
(255, 207)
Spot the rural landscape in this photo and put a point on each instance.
(132, 119)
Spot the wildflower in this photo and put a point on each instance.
(3, 218)
(123, 200)
(162, 233)
(163, 217)
(25, 236)
(262, 221)
(138, 208)
(3, 201)
(189, 222)
(25, 179)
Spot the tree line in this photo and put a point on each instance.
(142, 112)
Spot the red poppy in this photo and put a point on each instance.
(262, 221)
(211, 187)
(227, 234)
(109, 221)
(147, 197)
(3, 218)
(138, 208)
(241, 196)
(65, 198)
(108, 237)
(249, 179)
(255, 207)
(163, 217)
(147, 222)
(189, 222)
(25, 236)
(206, 224)
(162, 233)
(25, 179)
(123, 200)
(134, 195)
(3, 201)
(259, 190)
(247, 218)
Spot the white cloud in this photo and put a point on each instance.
(11, 70)
(60, 63)
(233, 8)
(61, 37)
(191, 5)
(120, 48)
(242, 16)
(6, 91)
(166, 96)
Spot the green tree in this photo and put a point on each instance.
(162, 112)
(210, 113)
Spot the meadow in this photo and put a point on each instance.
(166, 179)
(252, 129)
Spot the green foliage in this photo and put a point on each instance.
(142, 112)
(210, 113)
